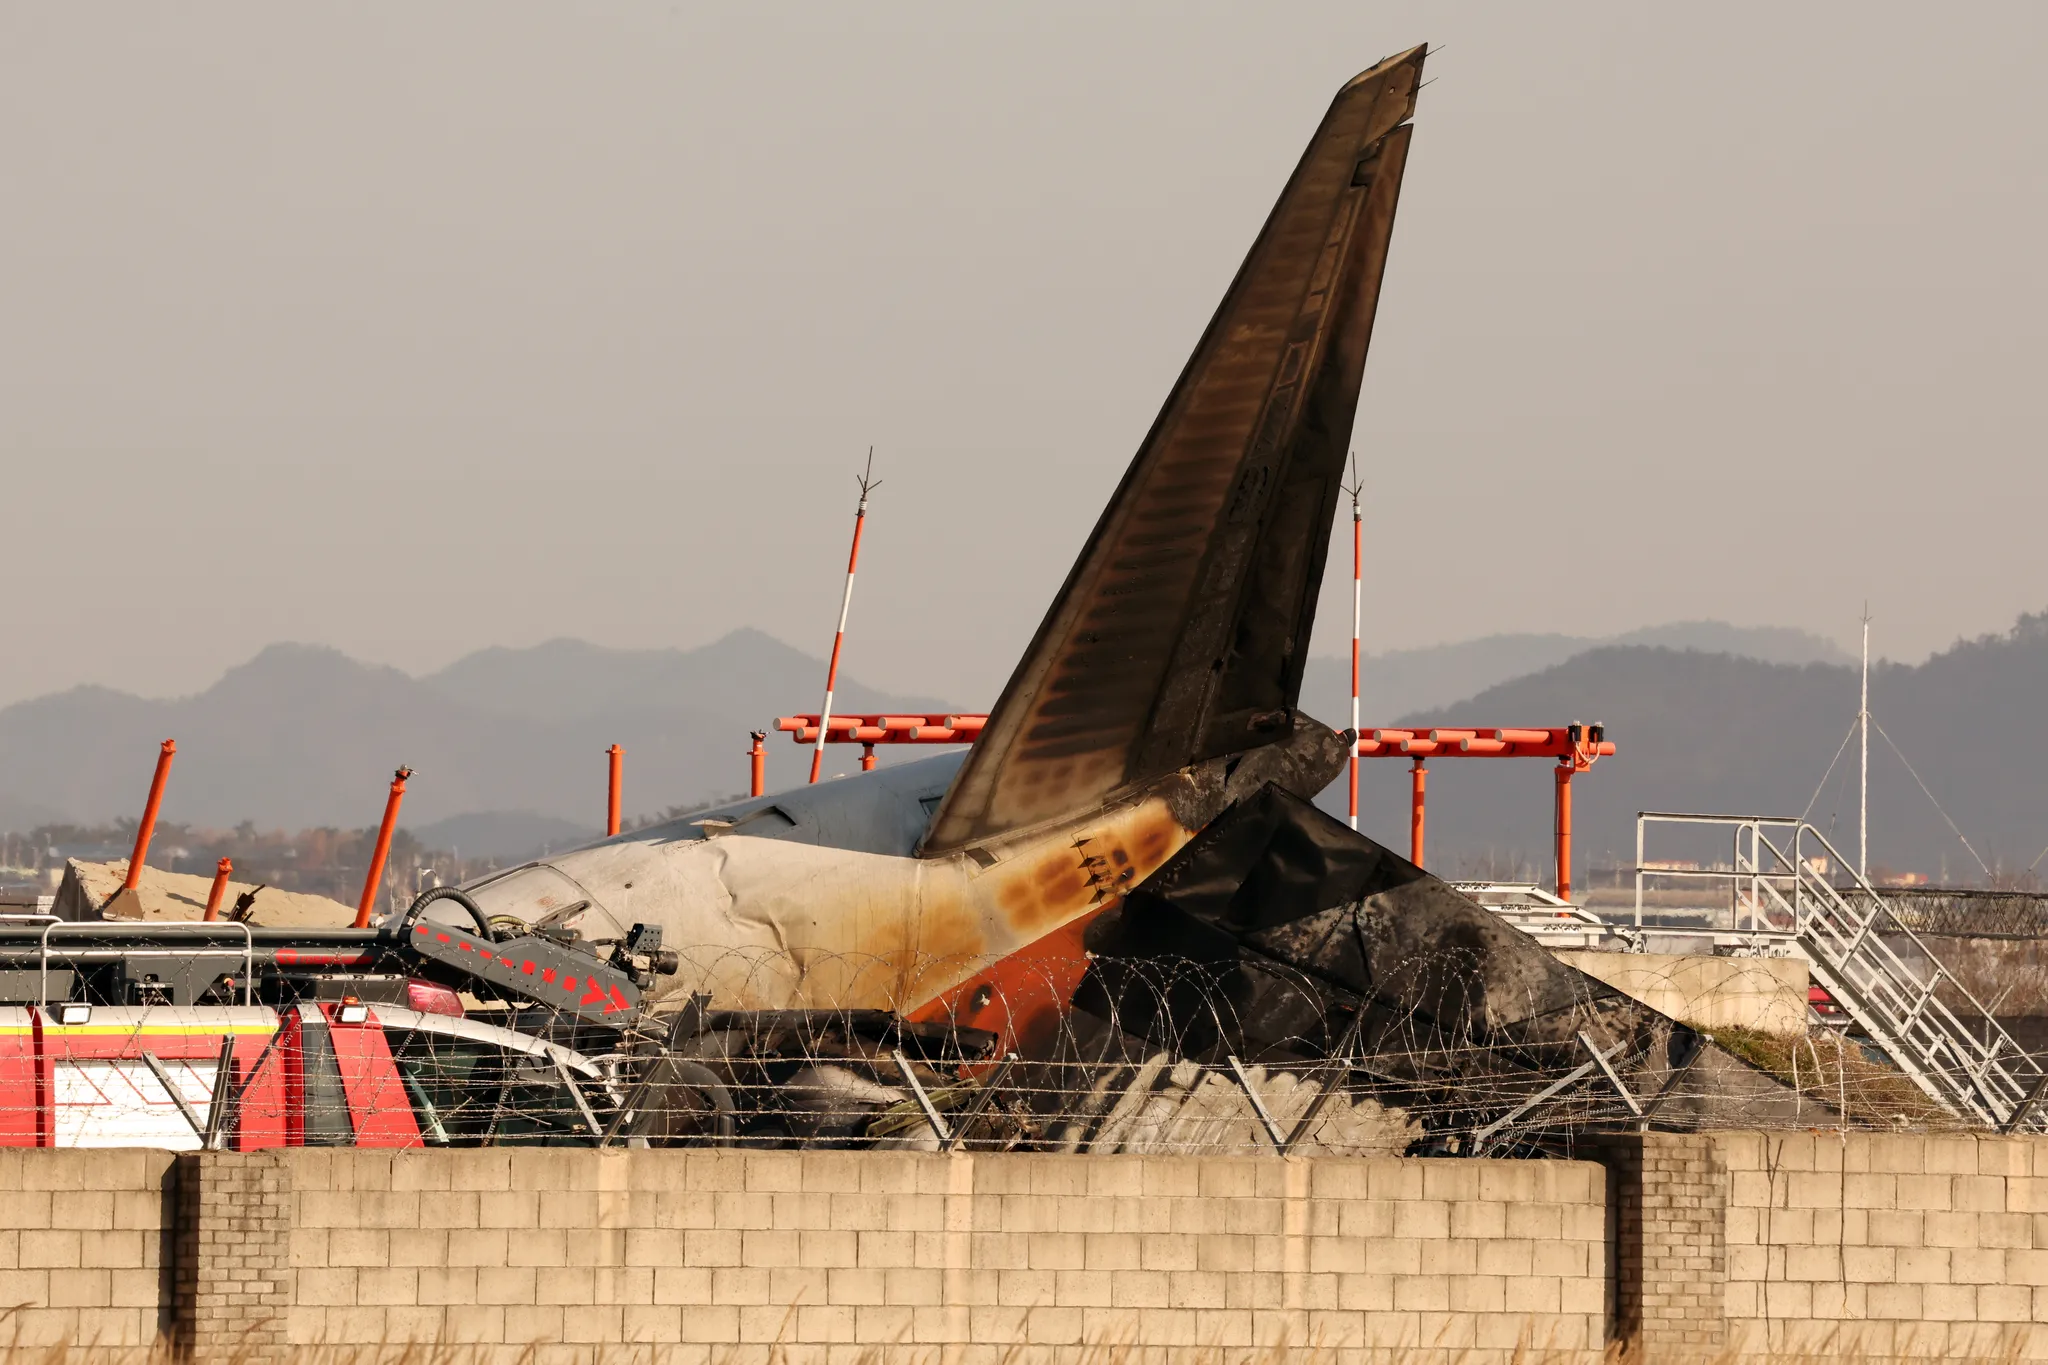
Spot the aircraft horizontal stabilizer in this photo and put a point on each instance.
(1181, 632)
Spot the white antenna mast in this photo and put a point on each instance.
(1863, 725)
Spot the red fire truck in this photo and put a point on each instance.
(440, 1028)
(314, 1073)
(222, 1034)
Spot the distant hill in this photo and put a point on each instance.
(1712, 732)
(1401, 681)
(509, 744)
(570, 680)
(305, 736)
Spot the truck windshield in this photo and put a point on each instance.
(453, 1083)
(476, 1094)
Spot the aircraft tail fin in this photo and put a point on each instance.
(1182, 629)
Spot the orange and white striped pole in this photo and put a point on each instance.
(860, 516)
(1357, 609)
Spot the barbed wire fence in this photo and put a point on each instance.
(1084, 1055)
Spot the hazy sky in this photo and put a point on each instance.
(416, 327)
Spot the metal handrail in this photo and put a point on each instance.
(201, 927)
(1746, 865)
(1928, 1024)
(1852, 948)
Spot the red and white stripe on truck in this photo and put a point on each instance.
(301, 1076)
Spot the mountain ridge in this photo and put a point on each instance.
(305, 736)
(1716, 732)
(508, 743)
(1393, 683)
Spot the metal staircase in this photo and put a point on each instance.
(1882, 973)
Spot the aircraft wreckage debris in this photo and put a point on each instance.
(1116, 923)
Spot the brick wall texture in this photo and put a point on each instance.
(1669, 1194)
(231, 1282)
(1922, 1246)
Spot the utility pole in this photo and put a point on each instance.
(1863, 725)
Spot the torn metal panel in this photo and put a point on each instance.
(1182, 629)
(1282, 935)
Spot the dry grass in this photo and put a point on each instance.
(1836, 1344)
(1832, 1351)
(1833, 1073)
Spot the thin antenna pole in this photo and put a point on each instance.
(1863, 724)
(1357, 608)
(868, 484)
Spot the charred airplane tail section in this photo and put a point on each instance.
(1280, 936)
(1181, 632)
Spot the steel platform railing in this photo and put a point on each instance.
(1783, 877)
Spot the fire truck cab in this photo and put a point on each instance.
(311, 1073)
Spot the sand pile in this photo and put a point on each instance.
(92, 891)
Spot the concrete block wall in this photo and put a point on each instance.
(1894, 1245)
(1764, 993)
(714, 1252)
(1934, 1246)
(83, 1254)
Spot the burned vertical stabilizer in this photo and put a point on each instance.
(1183, 628)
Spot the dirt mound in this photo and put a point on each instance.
(93, 891)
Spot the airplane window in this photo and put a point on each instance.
(583, 922)
(538, 894)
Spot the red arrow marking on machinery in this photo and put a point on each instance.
(618, 1001)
